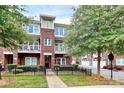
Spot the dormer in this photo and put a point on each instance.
(47, 21)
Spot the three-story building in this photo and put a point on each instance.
(48, 49)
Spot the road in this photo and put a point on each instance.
(107, 73)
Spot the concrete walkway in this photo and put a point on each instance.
(53, 80)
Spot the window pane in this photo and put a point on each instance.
(30, 28)
(27, 60)
(24, 27)
(58, 61)
(56, 31)
(63, 61)
(61, 31)
(47, 41)
(36, 29)
(34, 61)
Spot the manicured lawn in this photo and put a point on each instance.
(25, 81)
(83, 80)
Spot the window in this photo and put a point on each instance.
(47, 24)
(61, 61)
(24, 27)
(30, 28)
(30, 61)
(47, 42)
(36, 29)
(59, 31)
(119, 61)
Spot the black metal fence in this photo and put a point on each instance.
(72, 70)
(34, 71)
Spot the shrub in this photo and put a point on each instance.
(17, 70)
(75, 66)
(27, 68)
(11, 66)
(104, 67)
(66, 68)
(118, 68)
(56, 66)
(41, 67)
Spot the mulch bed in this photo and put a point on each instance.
(100, 80)
(5, 81)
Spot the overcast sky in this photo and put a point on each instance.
(63, 13)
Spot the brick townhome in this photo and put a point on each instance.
(48, 49)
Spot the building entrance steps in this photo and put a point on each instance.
(53, 80)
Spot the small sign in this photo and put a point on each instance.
(111, 57)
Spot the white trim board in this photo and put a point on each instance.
(47, 53)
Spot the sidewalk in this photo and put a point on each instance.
(100, 86)
(53, 80)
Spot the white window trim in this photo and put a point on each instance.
(119, 61)
(61, 60)
(59, 34)
(31, 58)
(47, 42)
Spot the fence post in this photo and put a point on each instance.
(44, 71)
(34, 71)
(72, 70)
(0, 71)
(57, 71)
(0, 75)
(15, 70)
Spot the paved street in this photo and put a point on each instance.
(106, 73)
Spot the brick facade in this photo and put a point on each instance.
(18, 58)
(47, 33)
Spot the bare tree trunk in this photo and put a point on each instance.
(98, 63)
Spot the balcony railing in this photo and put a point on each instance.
(29, 48)
(60, 48)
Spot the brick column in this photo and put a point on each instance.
(15, 57)
(2, 57)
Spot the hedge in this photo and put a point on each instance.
(11, 66)
(41, 67)
(27, 68)
(66, 67)
(17, 70)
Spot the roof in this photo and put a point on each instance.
(60, 24)
(47, 17)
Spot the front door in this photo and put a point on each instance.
(47, 61)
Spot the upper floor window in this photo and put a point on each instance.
(47, 42)
(60, 31)
(32, 28)
(47, 24)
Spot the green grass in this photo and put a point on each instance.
(83, 80)
(26, 81)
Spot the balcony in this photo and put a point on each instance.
(29, 48)
(60, 48)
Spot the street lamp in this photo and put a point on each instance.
(111, 58)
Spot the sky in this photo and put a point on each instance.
(63, 13)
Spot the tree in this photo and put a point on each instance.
(11, 20)
(96, 29)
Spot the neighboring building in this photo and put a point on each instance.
(48, 49)
(91, 60)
